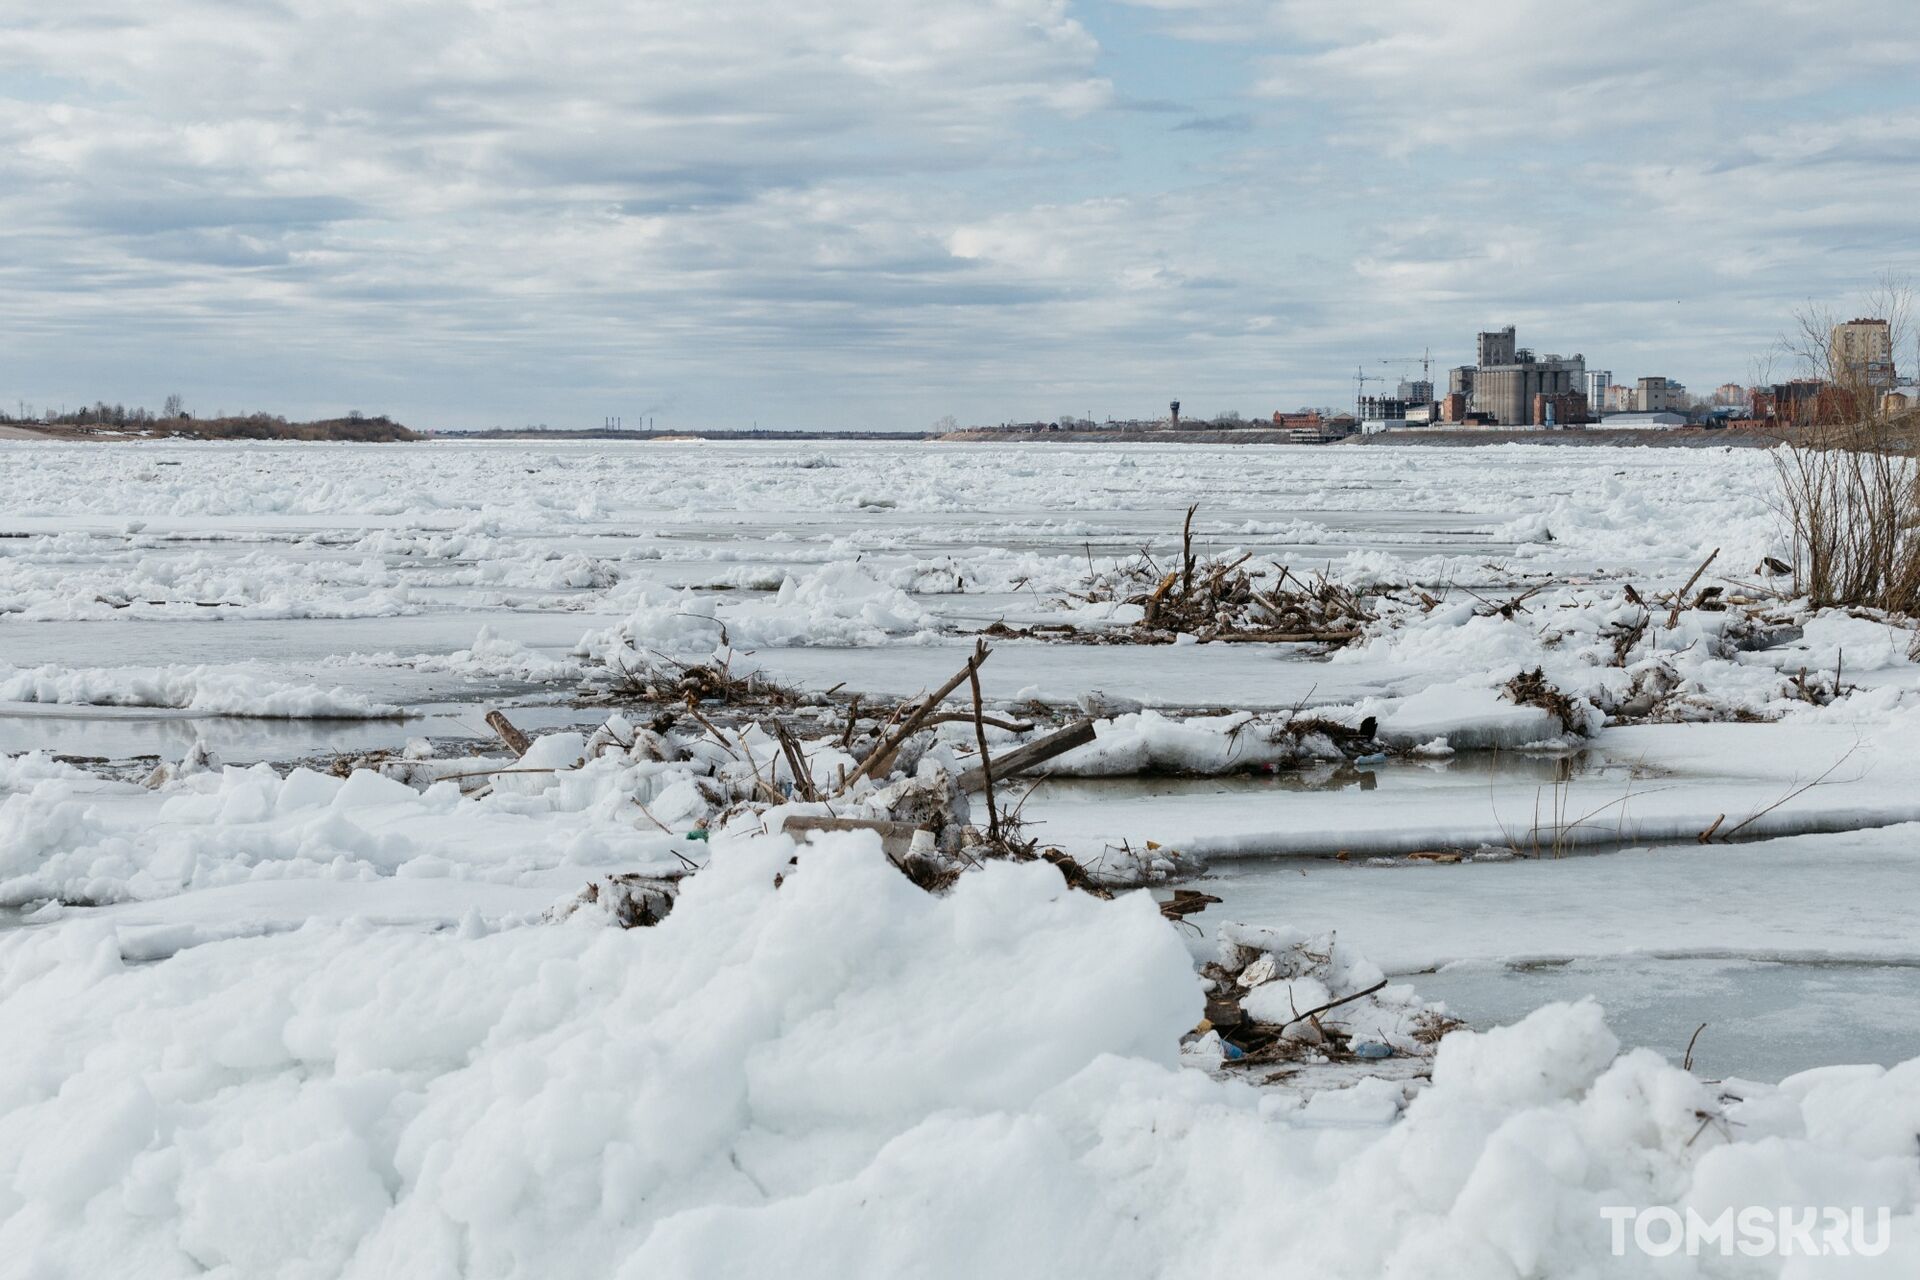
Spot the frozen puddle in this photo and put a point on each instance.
(1666, 938)
(1765, 1020)
(117, 735)
(1644, 784)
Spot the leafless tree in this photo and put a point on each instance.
(1810, 347)
(1849, 480)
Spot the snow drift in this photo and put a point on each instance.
(775, 1079)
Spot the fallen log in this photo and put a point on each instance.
(1039, 751)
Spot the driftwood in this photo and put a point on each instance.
(1186, 902)
(882, 754)
(985, 768)
(956, 717)
(1039, 751)
(796, 761)
(1282, 637)
(1679, 598)
(517, 742)
(1317, 1010)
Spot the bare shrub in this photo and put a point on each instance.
(1851, 496)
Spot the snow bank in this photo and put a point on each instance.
(1150, 742)
(1468, 717)
(207, 690)
(840, 1076)
(69, 837)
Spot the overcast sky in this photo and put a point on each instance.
(871, 213)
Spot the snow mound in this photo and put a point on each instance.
(765, 1079)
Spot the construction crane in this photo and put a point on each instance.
(1360, 380)
(1426, 364)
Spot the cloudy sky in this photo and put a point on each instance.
(871, 213)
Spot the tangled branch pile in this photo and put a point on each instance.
(1279, 996)
(668, 680)
(1223, 599)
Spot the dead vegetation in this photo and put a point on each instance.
(1533, 689)
(1253, 1032)
(1216, 600)
(929, 822)
(1851, 498)
(664, 680)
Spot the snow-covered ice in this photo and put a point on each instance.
(267, 1020)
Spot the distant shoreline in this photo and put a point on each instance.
(374, 431)
(669, 437)
(334, 430)
(1671, 437)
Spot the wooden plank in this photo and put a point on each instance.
(1039, 751)
(895, 837)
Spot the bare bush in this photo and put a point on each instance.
(1851, 496)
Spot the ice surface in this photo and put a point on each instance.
(317, 1026)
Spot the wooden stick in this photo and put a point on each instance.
(1186, 554)
(489, 773)
(1697, 572)
(891, 742)
(1153, 601)
(1333, 1004)
(1039, 751)
(693, 709)
(986, 762)
(796, 761)
(949, 717)
(517, 742)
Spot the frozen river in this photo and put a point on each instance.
(158, 596)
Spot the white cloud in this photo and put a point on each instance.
(476, 211)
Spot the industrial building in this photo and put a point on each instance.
(1507, 378)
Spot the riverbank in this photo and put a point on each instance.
(1681, 437)
(258, 427)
